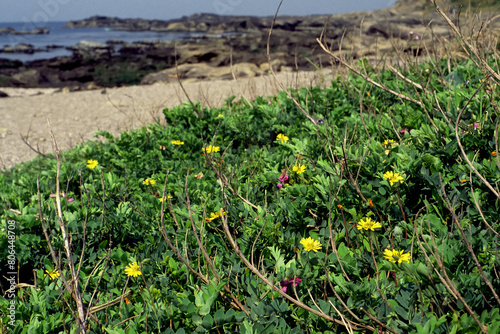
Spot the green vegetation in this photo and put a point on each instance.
(438, 215)
(476, 4)
(125, 72)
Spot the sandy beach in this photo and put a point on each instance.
(75, 116)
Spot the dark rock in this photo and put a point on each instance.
(89, 49)
(12, 31)
(9, 63)
(19, 48)
(2, 94)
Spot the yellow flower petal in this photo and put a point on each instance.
(282, 138)
(393, 177)
(310, 244)
(368, 224)
(92, 164)
(133, 270)
(397, 256)
(53, 274)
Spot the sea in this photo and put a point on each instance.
(64, 37)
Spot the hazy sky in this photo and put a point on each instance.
(39, 11)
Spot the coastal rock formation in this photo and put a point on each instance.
(89, 49)
(411, 27)
(202, 71)
(192, 23)
(27, 48)
(12, 31)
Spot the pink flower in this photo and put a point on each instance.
(476, 125)
(294, 282)
(403, 130)
(283, 179)
(70, 200)
(269, 103)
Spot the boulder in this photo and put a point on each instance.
(89, 49)
(202, 71)
(12, 31)
(2, 94)
(19, 48)
(28, 78)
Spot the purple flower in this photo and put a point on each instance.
(321, 121)
(463, 131)
(294, 282)
(403, 130)
(283, 179)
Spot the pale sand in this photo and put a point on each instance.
(76, 116)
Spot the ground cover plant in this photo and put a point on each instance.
(350, 208)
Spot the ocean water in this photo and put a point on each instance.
(61, 36)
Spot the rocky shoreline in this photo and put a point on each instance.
(12, 31)
(413, 28)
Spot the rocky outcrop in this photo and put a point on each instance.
(26, 48)
(12, 31)
(89, 49)
(202, 71)
(193, 23)
(411, 27)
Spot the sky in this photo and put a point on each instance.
(40, 11)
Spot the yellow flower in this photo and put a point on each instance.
(220, 115)
(53, 273)
(397, 256)
(165, 198)
(282, 138)
(393, 177)
(310, 244)
(210, 149)
(215, 215)
(177, 142)
(389, 142)
(299, 169)
(368, 224)
(92, 164)
(149, 182)
(133, 270)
